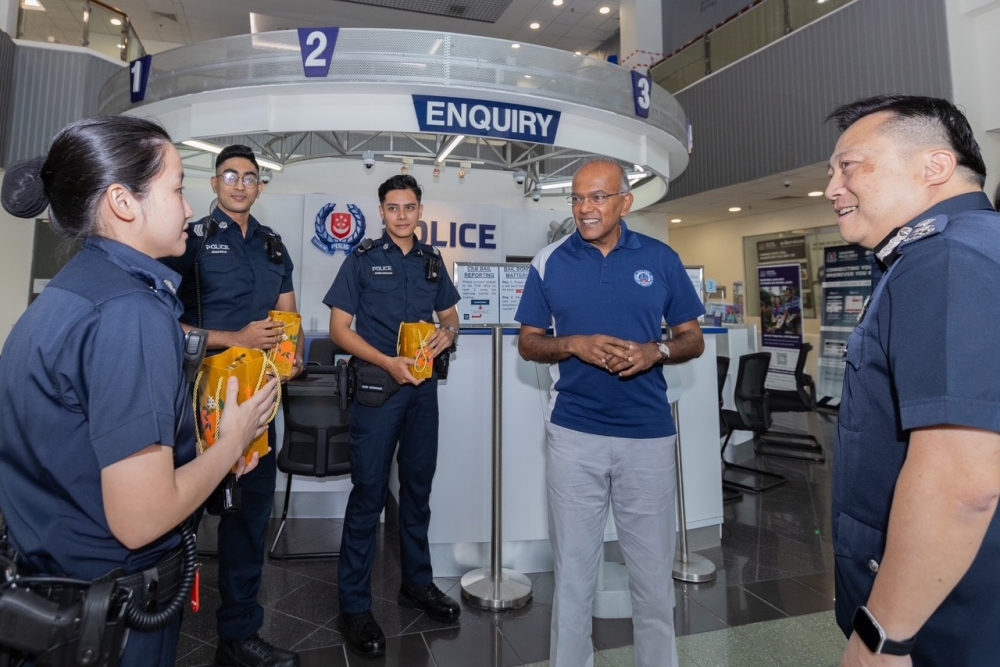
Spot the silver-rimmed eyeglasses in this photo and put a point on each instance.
(231, 178)
(596, 199)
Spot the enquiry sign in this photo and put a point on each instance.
(455, 115)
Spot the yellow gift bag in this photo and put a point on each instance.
(251, 368)
(414, 342)
(283, 354)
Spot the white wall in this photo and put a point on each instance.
(8, 16)
(973, 27)
(15, 268)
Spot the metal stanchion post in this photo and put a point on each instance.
(688, 567)
(495, 588)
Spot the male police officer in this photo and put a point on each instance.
(395, 279)
(917, 466)
(606, 290)
(235, 271)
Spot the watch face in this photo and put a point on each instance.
(868, 631)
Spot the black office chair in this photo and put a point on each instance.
(792, 444)
(316, 437)
(323, 352)
(751, 414)
(722, 366)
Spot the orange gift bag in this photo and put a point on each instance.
(251, 368)
(413, 342)
(283, 354)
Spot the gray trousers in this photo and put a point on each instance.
(583, 473)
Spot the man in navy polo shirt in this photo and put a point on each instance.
(917, 466)
(235, 271)
(605, 291)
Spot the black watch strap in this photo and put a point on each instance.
(873, 636)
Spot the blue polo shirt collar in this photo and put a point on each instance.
(154, 273)
(628, 239)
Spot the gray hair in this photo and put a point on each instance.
(600, 159)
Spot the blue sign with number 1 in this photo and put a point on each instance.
(316, 45)
(138, 77)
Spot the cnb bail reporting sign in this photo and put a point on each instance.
(458, 115)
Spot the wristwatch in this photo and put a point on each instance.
(453, 330)
(664, 351)
(873, 636)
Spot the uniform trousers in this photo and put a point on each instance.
(242, 546)
(410, 417)
(584, 473)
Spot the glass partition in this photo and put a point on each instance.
(684, 68)
(91, 23)
(751, 32)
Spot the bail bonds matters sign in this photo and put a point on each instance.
(457, 115)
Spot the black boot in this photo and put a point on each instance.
(253, 652)
(431, 601)
(362, 634)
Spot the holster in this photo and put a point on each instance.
(373, 384)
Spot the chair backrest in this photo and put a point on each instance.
(324, 352)
(722, 366)
(749, 394)
(316, 429)
(804, 384)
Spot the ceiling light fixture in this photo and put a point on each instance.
(557, 3)
(578, 53)
(535, 25)
(213, 148)
(527, 76)
(735, 209)
(116, 21)
(34, 5)
(515, 46)
(605, 10)
(675, 220)
(452, 145)
(816, 193)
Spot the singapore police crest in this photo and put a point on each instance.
(644, 277)
(339, 230)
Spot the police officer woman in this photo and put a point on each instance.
(98, 463)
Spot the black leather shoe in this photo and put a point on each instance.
(431, 601)
(362, 634)
(253, 652)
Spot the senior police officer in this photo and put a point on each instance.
(380, 285)
(235, 271)
(605, 290)
(917, 466)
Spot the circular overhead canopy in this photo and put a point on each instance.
(412, 89)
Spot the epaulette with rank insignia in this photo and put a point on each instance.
(911, 233)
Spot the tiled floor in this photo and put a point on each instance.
(770, 604)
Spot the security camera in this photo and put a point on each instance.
(535, 196)
(787, 184)
(265, 176)
(519, 176)
(368, 159)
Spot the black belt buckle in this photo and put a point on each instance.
(226, 499)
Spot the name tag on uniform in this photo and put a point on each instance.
(383, 271)
(217, 249)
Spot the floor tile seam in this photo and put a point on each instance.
(304, 620)
(410, 625)
(427, 646)
(289, 593)
(497, 628)
(710, 613)
(202, 644)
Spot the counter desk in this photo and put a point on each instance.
(462, 496)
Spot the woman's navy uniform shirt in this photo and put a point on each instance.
(383, 288)
(925, 354)
(239, 284)
(91, 374)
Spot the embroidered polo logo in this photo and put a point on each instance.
(643, 278)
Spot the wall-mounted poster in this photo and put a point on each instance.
(847, 283)
(781, 321)
(490, 293)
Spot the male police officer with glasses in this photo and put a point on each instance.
(381, 284)
(235, 271)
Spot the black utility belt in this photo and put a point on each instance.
(373, 385)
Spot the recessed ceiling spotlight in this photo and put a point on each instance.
(527, 76)
(515, 46)
(675, 219)
(116, 21)
(557, 3)
(605, 10)
(578, 53)
(816, 193)
(735, 209)
(535, 25)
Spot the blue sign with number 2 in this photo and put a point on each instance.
(316, 45)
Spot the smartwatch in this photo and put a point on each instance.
(664, 351)
(873, 636)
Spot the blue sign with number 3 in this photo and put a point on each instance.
(316, 45)
(138, 77)
(642, 88)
